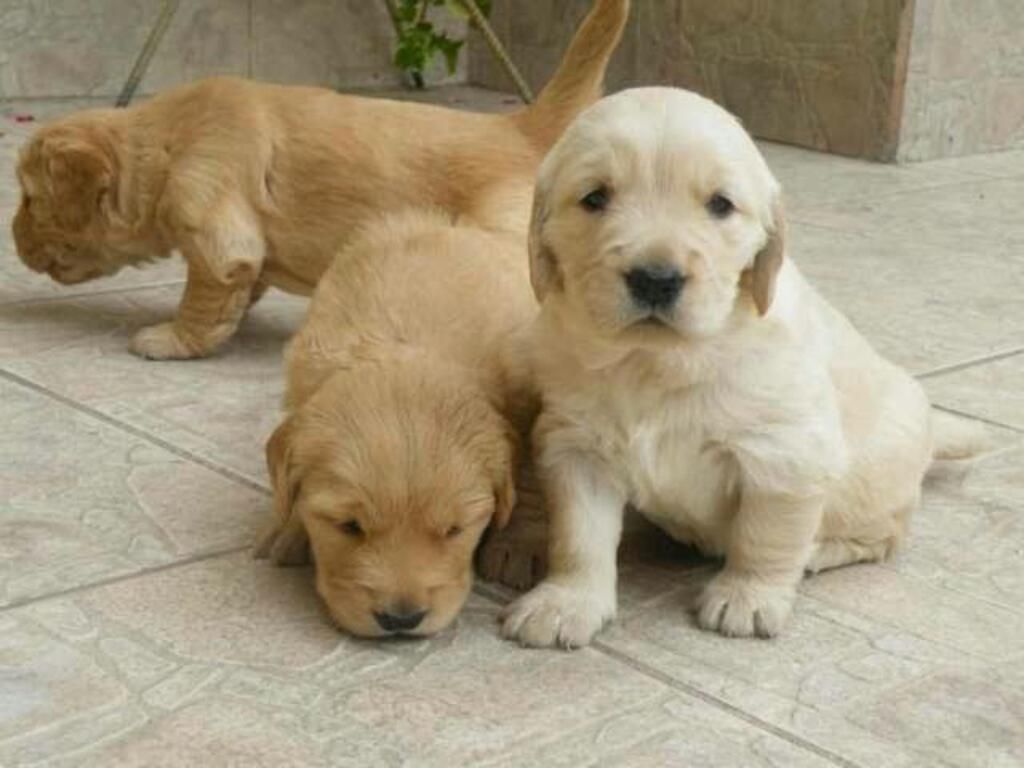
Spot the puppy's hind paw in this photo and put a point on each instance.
(161, 342)
(556, 615)
(739, 606)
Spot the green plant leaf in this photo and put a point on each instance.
(418, 42)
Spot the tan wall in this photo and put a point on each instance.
(86, 48)
(826, 74)
(965, 87)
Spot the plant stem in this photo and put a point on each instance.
(498, 49)
(421, 12)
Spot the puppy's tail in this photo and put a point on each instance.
(579, 80)
(955, 438)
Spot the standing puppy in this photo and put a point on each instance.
(257, 184)
(687, 368)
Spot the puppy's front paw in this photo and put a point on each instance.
(739, 606)
(555, 614)
(160, 342)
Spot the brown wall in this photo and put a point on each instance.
(818, 73)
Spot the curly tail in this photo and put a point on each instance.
(579, 80)
(955, 438)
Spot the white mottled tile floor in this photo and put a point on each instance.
(135, 629)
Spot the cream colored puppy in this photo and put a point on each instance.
(689, 369)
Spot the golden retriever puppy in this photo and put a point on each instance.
(687, 368)
(260, 185)
(399, 447)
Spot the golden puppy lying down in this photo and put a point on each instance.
(688, 368)
(260, 185)
(398, 449)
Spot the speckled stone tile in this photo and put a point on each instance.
(921, 305)
(970, 536)
(81, 501)
(999, 165)
(826, 678)
(994, 390)
(221, 407)
(812, 178)
(980, 217)
(231, 661)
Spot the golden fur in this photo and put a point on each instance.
(400, 420)
(688, 368)
(258, 184)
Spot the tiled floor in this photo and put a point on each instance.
(135, 629)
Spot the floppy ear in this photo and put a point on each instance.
(79, 172)
(768, 261)
(285, 541)
(544, 272)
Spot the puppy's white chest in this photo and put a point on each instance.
(679, 479)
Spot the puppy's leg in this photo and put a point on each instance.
(769, 545)
(516, 555)
(578, 596)
(225, 258)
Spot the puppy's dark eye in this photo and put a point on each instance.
(720, 206)
(596, 201)
(351, 528)
(452, 532)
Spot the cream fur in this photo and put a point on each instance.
(749, 418)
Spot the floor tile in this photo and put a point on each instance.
(221, 408)
(81, 501)
(241, 666)
(969, 538)
(995, 164)
(811, 178)
(920, 305)
(675, 730)
(820, 680)
(969, 218)
(992, 390)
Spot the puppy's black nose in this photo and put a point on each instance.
(655, 285)
(399, 622)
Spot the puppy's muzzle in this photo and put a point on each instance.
(655, 286)
(400, 620)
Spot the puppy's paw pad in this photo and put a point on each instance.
(741, 607)
(556, 615)
(160, 342)
(515, 557)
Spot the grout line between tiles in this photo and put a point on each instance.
(975, 417)
(970, 363)
(495, 595)
(88, 294)
(142, 434)
(871, 197)
(191, 560)
(717, 703)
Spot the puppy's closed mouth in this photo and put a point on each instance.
(654, 320)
